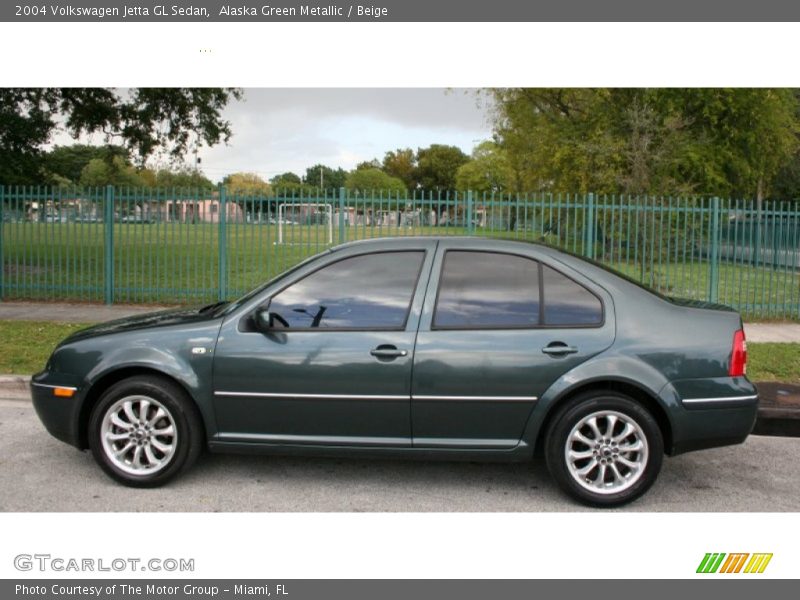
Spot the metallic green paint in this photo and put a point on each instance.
(481, 394)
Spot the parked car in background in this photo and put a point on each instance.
(88, 219)
(139, 219)
(434, 348)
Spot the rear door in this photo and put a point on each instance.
(497, 329)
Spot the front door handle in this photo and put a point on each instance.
(559, 349)
(388, 352)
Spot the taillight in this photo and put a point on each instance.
(738, 355)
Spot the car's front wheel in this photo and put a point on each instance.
(604, 449)
(144, 431)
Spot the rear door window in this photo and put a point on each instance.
(487, 290)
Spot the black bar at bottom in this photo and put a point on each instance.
(732, 587)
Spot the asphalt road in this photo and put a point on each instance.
(39, 473)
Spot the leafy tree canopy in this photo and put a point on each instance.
(184, 177)
(369, 164)
(401, 163)
(116, 172)
(727, 142)
(65, 164)
(320, 176)
(246, 184)
(144, 120)
(367, 180)
(287, 178)
(488, 171)
(437, 166)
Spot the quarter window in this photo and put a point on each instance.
(371, 291)
(568, 303)
(487, 290)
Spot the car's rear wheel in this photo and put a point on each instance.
(604, 449)
(144, 431)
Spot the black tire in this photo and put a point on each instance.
(186, 441)
(596, 489)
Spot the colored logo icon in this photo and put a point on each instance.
(737, 562)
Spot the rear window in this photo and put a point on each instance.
(567, 303)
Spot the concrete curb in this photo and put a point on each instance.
(15, 387)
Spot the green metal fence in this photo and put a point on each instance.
(182, 246)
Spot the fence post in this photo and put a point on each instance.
(589, 226)
(470, 226)
(713, 267)
(108, 247)
(2, 226)
(342, 195)
(222, 292)
(756, 254)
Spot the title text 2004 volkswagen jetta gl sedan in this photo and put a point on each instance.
(425, 347)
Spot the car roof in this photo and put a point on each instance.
(411, 240)
(470, 241)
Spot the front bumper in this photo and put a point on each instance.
(60, 416)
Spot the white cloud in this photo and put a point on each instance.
(289, 129)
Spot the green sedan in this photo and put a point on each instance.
(431, 348)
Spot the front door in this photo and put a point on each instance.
(497, 330)
(335, 369)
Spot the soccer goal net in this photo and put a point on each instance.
(304, 223)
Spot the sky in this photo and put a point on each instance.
(289, 129)
(279, 130)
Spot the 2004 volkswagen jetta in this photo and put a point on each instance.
(425, 347)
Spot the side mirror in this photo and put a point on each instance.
(263, 319)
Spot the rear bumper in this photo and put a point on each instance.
(58, 415)
(708, 413)
(711, 428)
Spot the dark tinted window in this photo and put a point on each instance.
(484, 289)
(368, 291)
(567, 302)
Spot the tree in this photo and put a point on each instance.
(246, 184)
(558, 138)
(369, 164)
(320, 176)
(369, 180)
(402, 163)
(285, 179)
(66, 163)
(144, 120)
(742, 137)
(182, 177)
(663, 141)
(488, 170)
(117, 172)
(437, 166)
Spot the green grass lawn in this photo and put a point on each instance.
(178, 263)
(27, 344)
(773, 362)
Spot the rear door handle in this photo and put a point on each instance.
(388, 352)
(559, 349)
